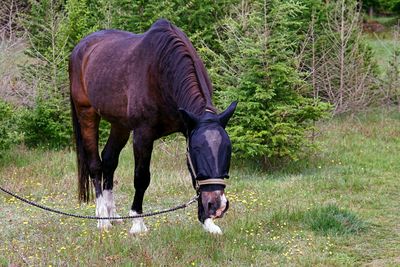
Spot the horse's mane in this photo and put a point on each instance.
(181, 67)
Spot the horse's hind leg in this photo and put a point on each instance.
(89, 121)
(143, 146)
(110, 154)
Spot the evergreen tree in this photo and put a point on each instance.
(258, 68)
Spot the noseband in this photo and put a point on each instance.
(209, 181)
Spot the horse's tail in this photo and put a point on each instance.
(83, 168)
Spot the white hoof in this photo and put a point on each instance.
(102, 211)
(210, 227)
(103, 224)
(138, 226)
(110, 203)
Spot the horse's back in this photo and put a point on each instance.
(110, 42)
(98, 65)
(93, 39)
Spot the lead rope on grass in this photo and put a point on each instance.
(149, 214)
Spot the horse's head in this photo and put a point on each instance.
(209, 155)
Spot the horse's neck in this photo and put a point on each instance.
(192, 92)
(182, 72)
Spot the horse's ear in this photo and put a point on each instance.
(189, 118)
(227, 114)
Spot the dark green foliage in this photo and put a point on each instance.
(5, 120)
(43, 15)
(9, 132)
(83, 18)
(381, 6)
(197, 18)
(104, 131)
(258, 69)
(391, 79)
(47, 124)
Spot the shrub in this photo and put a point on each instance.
(258, 69)
(9, 133)
(47, 124)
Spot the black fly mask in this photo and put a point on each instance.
(209, 150)
(209, 155)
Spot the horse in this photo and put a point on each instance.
(152, 84)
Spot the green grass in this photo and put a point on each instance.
(384, 44)
(387, 21)
(339, 207)
(383, 49)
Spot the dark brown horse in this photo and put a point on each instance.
(154, 84)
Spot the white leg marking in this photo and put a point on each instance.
(102, 211)
(210, 227)
(110, 203)
(138, 224)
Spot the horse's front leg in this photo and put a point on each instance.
(142, 146)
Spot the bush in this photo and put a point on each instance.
(258, 69)
(47, 125)
(9, 133)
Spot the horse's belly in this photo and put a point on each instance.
(107, 92)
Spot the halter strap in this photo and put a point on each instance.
(220, 181)
(199, 183)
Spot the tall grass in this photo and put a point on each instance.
(339, 207)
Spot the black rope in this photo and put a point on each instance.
(99, 218)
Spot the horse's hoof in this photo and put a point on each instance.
(115, 215)
(138, 229)
(117, 221)
(108, 198)
(138, 226)
(102, 211)
(210, 227)
(103, 224)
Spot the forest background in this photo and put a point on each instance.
(288, 63)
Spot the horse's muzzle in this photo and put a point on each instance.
(214, 203)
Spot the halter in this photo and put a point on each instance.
(210, 181)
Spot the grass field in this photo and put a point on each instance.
(383, 49)
(386, 43)
(338, 207)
